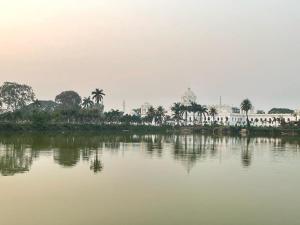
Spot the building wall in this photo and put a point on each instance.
(240, 119)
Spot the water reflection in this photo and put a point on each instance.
(246, 154)
(18, 152)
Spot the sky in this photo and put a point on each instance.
(152, 51)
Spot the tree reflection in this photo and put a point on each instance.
(246, 154)
(18, 152)
(96, 165)
(189, 149)
(13, 161)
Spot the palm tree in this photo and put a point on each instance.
(213, 112)
(87, 102)
(193, 108)
(98, 95)
(202, 110)
(151, 114)
(160, 114)
(184, 111)
(176, 109)
(246, 106)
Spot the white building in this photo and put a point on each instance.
(233, 116)
(145, 108)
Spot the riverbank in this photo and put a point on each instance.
(69, 127)
(127, 128)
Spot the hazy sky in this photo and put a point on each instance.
(153, 50)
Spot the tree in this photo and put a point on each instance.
(87, 102)
(68, 99)
(160, 114)
(194, 108)
(184, 111)
(96, 165)
(202, 110)
(281, 111)
(113, 116)
(15, 96)
(151, 114)
(213, 112)
(246, 106)
(36, 104)
(176, 109)
(98, 95)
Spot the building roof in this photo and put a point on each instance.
(188, 97)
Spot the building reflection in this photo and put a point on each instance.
(18, 152)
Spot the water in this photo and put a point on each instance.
(152, 179)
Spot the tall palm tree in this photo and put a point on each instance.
(176, 109)
(98, 95)
(203, 111)
(160, 114)
(87, 102)
(151, 114)
(194, 108)
(184, 110)
(246, 106)
(213, 112)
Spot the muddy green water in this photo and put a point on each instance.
(148, 180)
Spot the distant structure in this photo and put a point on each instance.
(188, 97)
(234, 116)
(145, 108)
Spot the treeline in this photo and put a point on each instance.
(19, 105)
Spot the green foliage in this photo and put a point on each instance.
(177, 111)
(213, 112)
(113, 116)
(68, 99)
(281, 111)
(246, 106)
(40, 118)
(15, 96)
(98, 95)
(87, 103)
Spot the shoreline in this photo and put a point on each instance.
(147, 129)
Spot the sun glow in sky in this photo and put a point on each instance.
(141, 50)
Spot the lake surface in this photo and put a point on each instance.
(152, 179)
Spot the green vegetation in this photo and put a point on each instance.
(15, 96)
(281, 111)
(21, 111)
(246, 106)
